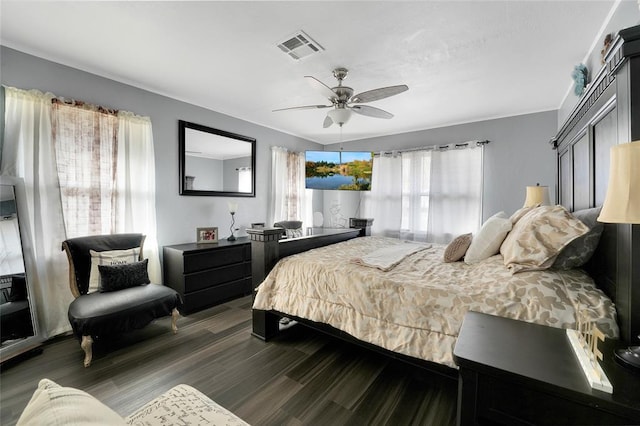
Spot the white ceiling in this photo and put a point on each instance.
(208, 145)
(463, 61)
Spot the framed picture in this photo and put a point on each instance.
(206, 235)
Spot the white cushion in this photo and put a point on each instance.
(487, 241)
(183, 405)
(110, 258)
(52, 404)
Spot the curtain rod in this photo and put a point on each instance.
(84, 105)
(461, 145)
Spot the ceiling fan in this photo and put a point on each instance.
(343, 101)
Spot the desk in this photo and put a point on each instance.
(516, 373)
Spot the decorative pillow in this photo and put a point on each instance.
(52, 404)
(579, 251)
(517, 215)
(487, 241)
(294, 233)
(457, 248)
(112, 257)
(118, 277)
(538, 237)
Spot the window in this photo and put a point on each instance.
(244, 179)
(85, 140)
(289, 200)
(440, 194)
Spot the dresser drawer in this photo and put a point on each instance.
(214, 277)
(202, 298)
(213, 258)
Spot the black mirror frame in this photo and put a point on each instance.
(182, 125)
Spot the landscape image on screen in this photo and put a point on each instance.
(341, 170)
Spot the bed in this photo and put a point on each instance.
(416, 308)
(603, 117)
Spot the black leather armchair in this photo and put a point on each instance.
(112, 312)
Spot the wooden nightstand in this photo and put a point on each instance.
(517, 373)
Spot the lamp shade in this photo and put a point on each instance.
(537, 196)
(622, 202)
(233, 207)
(339, 115)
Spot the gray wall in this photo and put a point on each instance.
(230, 171)
(519, 155)
(207, 172)
(177, 216)
(626, 15)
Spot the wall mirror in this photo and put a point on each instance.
(215, 162)
(19, 327)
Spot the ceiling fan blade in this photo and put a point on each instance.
(321, 87)
(304, 107)
(370, 111)
(327, 122)
(381, 93)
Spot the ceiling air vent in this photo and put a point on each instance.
(299, 45)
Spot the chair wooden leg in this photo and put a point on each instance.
(86, 344)
(174, 320)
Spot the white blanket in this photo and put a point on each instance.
(386, 258)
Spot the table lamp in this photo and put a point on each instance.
(233, 208)
(622, 205)
(537, 196)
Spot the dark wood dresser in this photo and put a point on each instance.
(208, 274)
(517, 373)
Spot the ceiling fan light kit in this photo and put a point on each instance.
(339, 115)
(343, 101)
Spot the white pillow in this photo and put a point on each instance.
(52, 404)
(487, 241)
(112, 257)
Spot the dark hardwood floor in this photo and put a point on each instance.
(302, 377)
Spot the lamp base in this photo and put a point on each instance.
(231, 238)
(629, 357)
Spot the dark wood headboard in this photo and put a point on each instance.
(607, 114)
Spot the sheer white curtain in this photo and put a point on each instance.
(86, 172)
(455, 205)
(28, 153)
(384, 202)
(289, 200)
(416, 178)
(426, 195)
(85, 141)
(136, 186)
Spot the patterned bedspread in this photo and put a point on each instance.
(417, 307)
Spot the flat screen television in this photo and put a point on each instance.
(338, 170)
